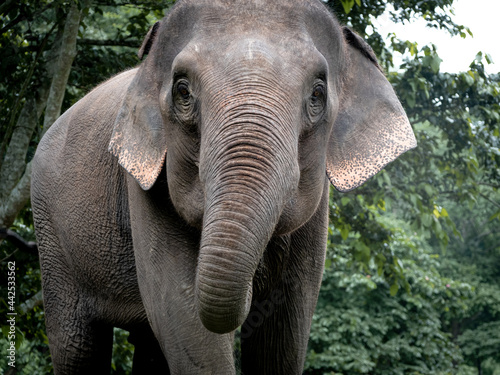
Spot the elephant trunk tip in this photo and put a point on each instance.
(220, 324)
(220, 316)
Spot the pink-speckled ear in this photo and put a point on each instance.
(371, 128)
(139, 135)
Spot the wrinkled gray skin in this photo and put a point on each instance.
(188, 197)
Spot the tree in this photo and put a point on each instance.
(15, 173)
(360, 328)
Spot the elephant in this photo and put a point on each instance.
(188, 196)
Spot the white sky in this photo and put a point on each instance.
(481, 16)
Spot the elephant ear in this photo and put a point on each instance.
(139, 136)
(148, 40)
(371, 128)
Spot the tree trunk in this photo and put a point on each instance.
(16, 200)
(14, 161)
(65, 61)
(16, 174)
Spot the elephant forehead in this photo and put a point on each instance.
(279, 33)
(252, 53)
(244, 14)
(274, 20)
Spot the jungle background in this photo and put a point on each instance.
(412, 276)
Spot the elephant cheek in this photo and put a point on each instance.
(186, 191)
(301, 206)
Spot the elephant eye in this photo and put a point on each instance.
(318, 93)
(184, 104)
(317, 102)
(183, 90)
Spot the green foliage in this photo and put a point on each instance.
(122, 353)
(121, 29)
(475, 258)
(109, 38)
(362, 326)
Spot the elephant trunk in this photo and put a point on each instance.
(248, 179)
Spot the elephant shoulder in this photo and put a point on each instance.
(94, 113)
(81, 135)
(112, 89)
(98, 109)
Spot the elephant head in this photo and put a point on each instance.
(249, 105)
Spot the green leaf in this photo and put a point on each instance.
(394, 289)
(344, 232)
(328, 263)
(469, 78)
(495, 216)
(347, 4)
(411, 100)
(429, 189)
(444, 213)
(381, 205)
(436, 63)
(426, 220)
(387, 178)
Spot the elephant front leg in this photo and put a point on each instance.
(166, 259)
(187, 345)
(275, 334)
(168, 294)
(78, 344)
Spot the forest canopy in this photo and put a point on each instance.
(412, 276)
